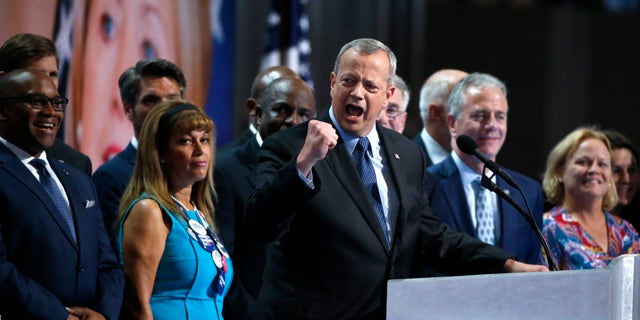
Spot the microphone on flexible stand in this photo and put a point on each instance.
(470, 147)
(487, 183)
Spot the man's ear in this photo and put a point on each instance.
(257, 110)
(251, 105)
(435, 112)
(128, 111)
(451, 121)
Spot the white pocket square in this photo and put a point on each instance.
(89, 203)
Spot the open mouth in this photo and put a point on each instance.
(47, 126)
(354, 111)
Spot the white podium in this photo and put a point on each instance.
(599, 294)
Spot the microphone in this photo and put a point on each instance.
(488, 184)
(470, 147)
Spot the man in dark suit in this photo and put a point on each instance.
(141, 88)
(55, 258)
(36, 52)
(337, 239)
(284, 103)
(258, 86)
(478, 108)
(434, 139)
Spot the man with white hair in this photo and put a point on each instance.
(434, 139)
(394, 115)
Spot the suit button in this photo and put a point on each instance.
(81, 269)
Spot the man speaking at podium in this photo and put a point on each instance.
(343, 204)
(478, 108)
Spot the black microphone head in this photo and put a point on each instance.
(466, 144)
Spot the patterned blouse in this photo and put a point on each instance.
(573, 248)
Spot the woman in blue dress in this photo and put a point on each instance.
(175, 265)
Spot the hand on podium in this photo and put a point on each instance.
(516, 266)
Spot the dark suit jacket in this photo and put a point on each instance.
(330, 259)
(423, 147)
(244, 137)
(111, 178)
(63, 152)
(449, 203)
(42, 269)
(234, 177)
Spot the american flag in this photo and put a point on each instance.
(62, 37)
(287, 41)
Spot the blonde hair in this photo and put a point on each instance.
(149, 174)
(557, 161)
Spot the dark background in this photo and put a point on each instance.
(563, 66)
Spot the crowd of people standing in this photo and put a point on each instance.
(307, 217)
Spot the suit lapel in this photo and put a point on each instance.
(456, 197)
(340, 163)
(16, 168)
(509, 216)
(395, 159)
(250, 155)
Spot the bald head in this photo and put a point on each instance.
(284, 103)
(260, 82)
(265, 77)
(437, 87)
(20, 81)
(433, 101)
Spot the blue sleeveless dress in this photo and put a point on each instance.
(188, 284)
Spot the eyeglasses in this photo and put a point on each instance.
(393, 111)
(38, 101)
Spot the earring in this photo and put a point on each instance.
(161, 161)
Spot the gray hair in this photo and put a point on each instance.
(399, 83)
(458, 97)
(368, 46)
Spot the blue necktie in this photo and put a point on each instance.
(368, 176)
(484, 213)
(52, 189)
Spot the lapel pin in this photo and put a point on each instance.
(395, 155)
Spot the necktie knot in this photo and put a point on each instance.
(477, 186)
(40, 166)
(363, 145)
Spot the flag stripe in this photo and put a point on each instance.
(287, 42)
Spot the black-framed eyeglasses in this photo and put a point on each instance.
(38, 101)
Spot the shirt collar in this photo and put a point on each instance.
(436, 152)
(466, 173)
(22, 155)
(134, 142)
